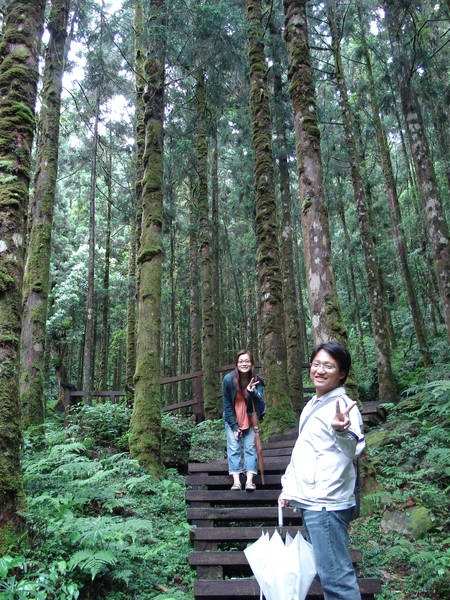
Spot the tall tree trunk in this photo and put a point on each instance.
(215, 243)
(130, 358)
(209, 376)
(229, 324)
(391, 187)
(95, 343)
(140, 85)
(105, 307)
(37, 268)
(326, 318)
(431, 201)
(249, 309)
(89, 329)
(194, 306)
(341, 213)
(273, 349)
(136, 209)
(19, 51)
(299, 270)
(145, 435)
(374, 230)
(386, 381)
(413, 190)
(294, 345)
(173, 302)
(118, 378)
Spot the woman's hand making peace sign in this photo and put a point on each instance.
(253, 383)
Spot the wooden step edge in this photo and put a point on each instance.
(271, 463)
(237, 558)
(249, 588)
(246, 533)
(233, 496)
(241, 513)
(204, 479)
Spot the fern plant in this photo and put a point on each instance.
(117, 530)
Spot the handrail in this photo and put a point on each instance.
(71, 393)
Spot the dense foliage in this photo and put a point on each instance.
(411, 459)
(100, 526)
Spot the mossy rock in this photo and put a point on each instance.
(419, 521)
(378, 438)
(415, 522)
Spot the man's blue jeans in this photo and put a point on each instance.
(328, 533)
(234, 451)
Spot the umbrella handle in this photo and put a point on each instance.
(280, 515)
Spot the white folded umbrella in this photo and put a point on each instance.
(284, 571)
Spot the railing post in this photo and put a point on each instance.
(199, 415)
(66, 404)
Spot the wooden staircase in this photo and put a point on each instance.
(227, 521)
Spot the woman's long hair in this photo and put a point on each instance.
(252, 373)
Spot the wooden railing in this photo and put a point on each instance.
(72, 396)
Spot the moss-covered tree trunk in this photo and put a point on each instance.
(273, 349)
(326, 318)
(136, 210)
(382, 348)
(294, 343)
(209, 383)
(37, 267)
(19, 51)
(145, 436)
(429, 191)
(194, 304)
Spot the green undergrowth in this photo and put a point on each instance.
(411, 456)
(100, 526)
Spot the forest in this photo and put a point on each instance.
(182, 179)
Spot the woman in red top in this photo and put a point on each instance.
(242, 390)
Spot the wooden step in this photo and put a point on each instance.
(287, 441)
(243, 513)
(249, 588)
(237, 558)
(281, 451)
(233, 496)
(271, 463)
(290, 433)
(225, 481)
(238, 534)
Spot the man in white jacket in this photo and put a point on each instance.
(320, 477)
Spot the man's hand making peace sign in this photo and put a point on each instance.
(341, 420)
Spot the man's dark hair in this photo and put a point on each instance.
(340, 354)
